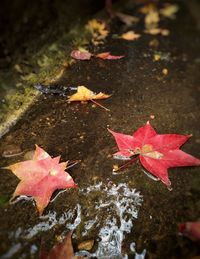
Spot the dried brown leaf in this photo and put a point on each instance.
(126, 18)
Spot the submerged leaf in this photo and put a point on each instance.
(86, 245)
(62, 250)
(156, 152)
(40, 177)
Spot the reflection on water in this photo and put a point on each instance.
(125, 204)
(116, 209)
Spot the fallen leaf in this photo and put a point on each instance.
(130, 35)
(127, 19)
(98, 30)
(40, 177)
(169, 10)
(191, 230)
(152, 19)
(156, 152)
(156, 31)
(83, 94)
(115, 168)
(107, 55)
(165, 71)
(86, 245)
(81, 54)
(148, 8)
(157, 57)
(62, 250)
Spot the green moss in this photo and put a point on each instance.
(46, 67)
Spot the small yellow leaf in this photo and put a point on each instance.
(130, 35)
(84, 94)
(155, 31)
(148, 8)
(98, 29)
(169, 10)
(152, 19)
(157, 57)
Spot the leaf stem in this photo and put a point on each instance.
(126, 164)
(99, 105)
(73, 163)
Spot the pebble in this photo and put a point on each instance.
(29, 155)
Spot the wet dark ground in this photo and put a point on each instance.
(25, 25)
(79, 131)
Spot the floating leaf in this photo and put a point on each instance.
(107, 55)
(191, 230)
(86, 55)
(98, 29)
(130, 35)
(156, 31)
(148, 8)
(169, 10)
(81, 54)
(84, 94)
(40, 177)
(156, 152)
(152, 19)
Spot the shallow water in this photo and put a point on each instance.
(119, 205)
(126, 214)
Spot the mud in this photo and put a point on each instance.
(79, 131)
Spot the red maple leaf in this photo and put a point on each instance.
(156, 152)
(40, 177)
(191, 230)
(107, 55)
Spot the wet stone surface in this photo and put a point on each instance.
(118, 211)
